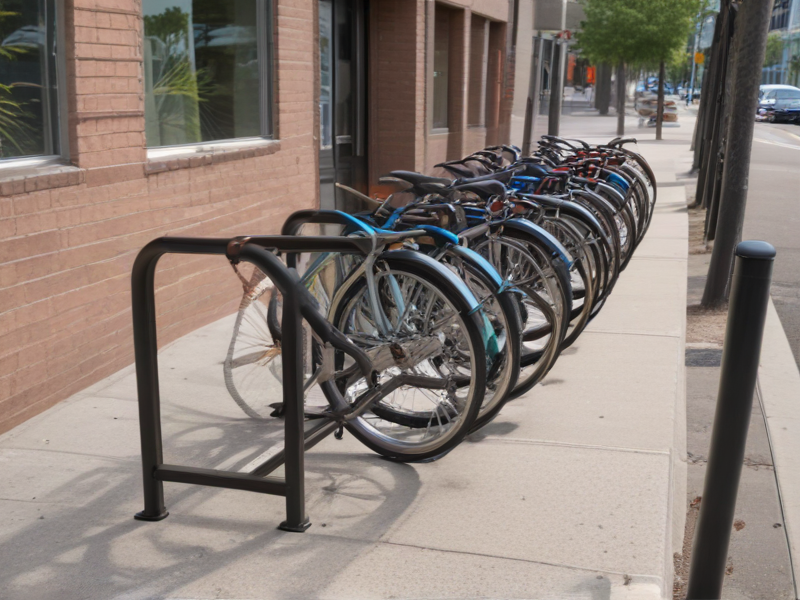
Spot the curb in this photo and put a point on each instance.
(778, 390)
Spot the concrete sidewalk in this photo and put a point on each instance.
(576, 491)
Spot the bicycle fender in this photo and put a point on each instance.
(555, 247)
(479, 262)
(436, 270)
(440, 236)
(334, 217)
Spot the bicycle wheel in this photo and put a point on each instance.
(503, 314)
(435, 336)
(539, 304)
(253, 370)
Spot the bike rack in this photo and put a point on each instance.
(296, 301)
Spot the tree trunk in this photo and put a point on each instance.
(714, 114)
(729, 76)
(621, 98)
(660, 111)
(602, 97)
(700, 125)
(754, 22)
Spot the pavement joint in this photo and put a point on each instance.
(638, 333)
(549, 443)
(516, 559)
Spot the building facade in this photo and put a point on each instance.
(125, 120)
(783, 47)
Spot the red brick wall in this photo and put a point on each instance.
(395, 92)
(68, 240)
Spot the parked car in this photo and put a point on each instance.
(778, 103)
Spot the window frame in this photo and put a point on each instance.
(265, 44)
(58, 93)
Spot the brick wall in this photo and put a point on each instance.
(394, 90)
(474, 95)
(69, 235)
(68, 238)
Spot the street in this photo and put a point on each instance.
(773, 214)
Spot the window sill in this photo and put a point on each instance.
(161, 160)
(30, 175)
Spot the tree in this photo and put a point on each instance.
(794, 68)
(774, 52)
(635, 32)
(750, 41)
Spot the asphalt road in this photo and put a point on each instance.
(773, 214)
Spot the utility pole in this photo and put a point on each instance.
(557, 75)
(751, 47)
(621, 98)
(698, 30)
(534, 90)
(660, 112)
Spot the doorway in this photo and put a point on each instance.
(342, 102)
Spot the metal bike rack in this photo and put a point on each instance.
(297, 440)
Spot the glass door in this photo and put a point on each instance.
(342, 103)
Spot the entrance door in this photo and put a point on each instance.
(342, 102)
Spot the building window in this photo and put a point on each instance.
(29, 107)
(207, 70)
(441, 66)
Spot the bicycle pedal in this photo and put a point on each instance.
(279, 410)
(339, 433)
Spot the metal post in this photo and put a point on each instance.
(556, 87)
(534, 91)
(292, 355)
(660, 110)
(145, 349)
(746, 315)
(697, 33)
(621, 99)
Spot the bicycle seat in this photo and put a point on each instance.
(456, 167)
(501, 176)
(483, 189)
(423, 183)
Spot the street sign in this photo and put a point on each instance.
(699, 58)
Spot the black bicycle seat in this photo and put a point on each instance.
(483, 189)
(424, 183)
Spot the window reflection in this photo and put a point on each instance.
(27, 79)
(326, 74)
(202, 76)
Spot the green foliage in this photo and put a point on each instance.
(794, 68)
(775, 46)
(170, 26)
(636, 32)
(14, 130)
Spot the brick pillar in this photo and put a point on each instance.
(396, 87)
(106, 107)
(457, 83)
(494, 81)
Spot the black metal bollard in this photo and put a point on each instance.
(746, 315)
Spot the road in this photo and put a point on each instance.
(773, 214)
